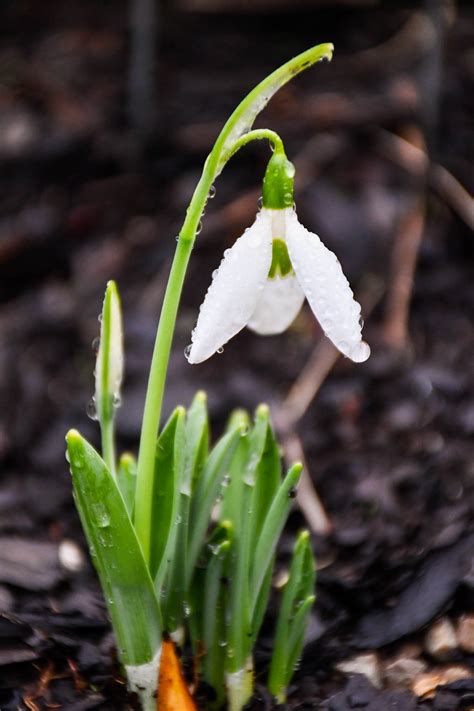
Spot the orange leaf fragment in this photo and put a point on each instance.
(173, 693)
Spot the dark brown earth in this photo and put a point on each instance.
(389, 443)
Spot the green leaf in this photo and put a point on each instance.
(221, 533)
(175, 586)
(271, 531)
(295, 607)
(297, 635)
(207, 489)
(231, 505)
(257, 439)
(169, 465)
(255, 475)
(127, 480)
(267, 481)
(197, 441)
(261, 604)
(116, 553)
(214, 623)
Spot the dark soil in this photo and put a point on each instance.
(389, 443)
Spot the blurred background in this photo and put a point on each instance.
(107, 112)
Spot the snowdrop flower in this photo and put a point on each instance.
(264, 278)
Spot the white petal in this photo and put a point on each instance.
(331, 299)
(278, 306)
(235, 290)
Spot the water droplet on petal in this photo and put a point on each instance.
(187, 351)
(220, 350)
(360, 352)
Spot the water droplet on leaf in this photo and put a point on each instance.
(92, 410)
(101, 515)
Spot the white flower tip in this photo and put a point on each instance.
(195, 355)
(360, 352)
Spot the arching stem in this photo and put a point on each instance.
(235, 134)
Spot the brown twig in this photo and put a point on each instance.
(415, 161)
(402, 273)
(404, 256)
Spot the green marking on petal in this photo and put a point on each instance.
(281, 263)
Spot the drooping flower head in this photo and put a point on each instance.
(264, 278)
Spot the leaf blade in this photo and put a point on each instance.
(271, 531)
(169, 464)
(117, 556)
(207, 489)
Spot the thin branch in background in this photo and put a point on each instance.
(415, 160)
(402, 273)
(404, 256)
(141, 78)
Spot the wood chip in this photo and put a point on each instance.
(440, 640)
(465, 633)
(366, 664)
(426, 684)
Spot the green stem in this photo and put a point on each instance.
(235, 134)
(258, 134)
(107, 431)
(155, 390)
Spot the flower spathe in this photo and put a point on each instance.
(263, 280)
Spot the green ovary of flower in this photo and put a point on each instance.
(281, 264)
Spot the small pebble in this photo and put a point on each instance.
(366, 664)
(440, 640)
(403, 671)
(70, 556)
(465, 633)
